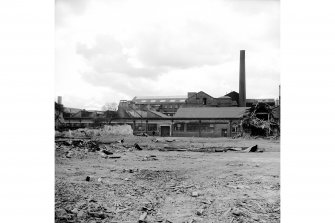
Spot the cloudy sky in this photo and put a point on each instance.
(109, 50)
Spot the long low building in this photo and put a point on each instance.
(208, 121)
(192, 122)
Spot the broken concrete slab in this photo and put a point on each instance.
(253, 149)
(195, 194)
(137, 146)
(105, 151)
(142, 217)
(200, 211)
(114, 157)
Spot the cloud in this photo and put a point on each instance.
(148, 47)
(109, 56)
(66, 8)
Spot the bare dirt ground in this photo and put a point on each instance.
(155, 185)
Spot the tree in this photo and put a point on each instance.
(111, 106)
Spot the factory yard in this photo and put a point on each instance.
(167, 180)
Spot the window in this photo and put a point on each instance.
(152, 100)
(192, 127)
(144, 101)
(182, 100)
(204, 127)
(139, 126)
(152, 127)
(165, 106)
(170, 106)
(179, 127)
(162, 101)
(172, 100)
(176, 106)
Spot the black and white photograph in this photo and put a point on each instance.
(171, 111)
(167, 111)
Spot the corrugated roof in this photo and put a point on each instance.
(211, 112)
(159, 99)
(137, 114)
(159, 114)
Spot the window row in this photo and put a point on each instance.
(163, 100)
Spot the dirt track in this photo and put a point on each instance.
(231, 186)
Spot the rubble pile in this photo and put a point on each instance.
(80, 148)
(257, 126)
(106, 131)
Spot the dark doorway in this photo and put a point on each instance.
(165, 131)
(224, 132)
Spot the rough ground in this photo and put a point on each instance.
(197, 185)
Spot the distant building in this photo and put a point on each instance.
(167, 105)
(250, 102)
(234, 97)
(80, 118)
(269, 101)
(202, 99)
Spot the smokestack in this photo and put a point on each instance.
(242, 94)
(279, 95)
(59, 100)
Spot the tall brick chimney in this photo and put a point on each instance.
(59, 100)
(242, 93)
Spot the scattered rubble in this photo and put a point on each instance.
(102, 190)
(142, 134)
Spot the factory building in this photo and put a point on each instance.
(196, 114)
(167, 105)
(208, 121)
(202, 99)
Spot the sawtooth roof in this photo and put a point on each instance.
(159, 99)
(211, 112)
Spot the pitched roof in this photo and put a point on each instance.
(159, 114)
(211, 112)
(225, 97)
(200, 92)
(137, 113)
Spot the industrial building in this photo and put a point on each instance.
(202, 99)
(167, 105)
(196, 114)
(191, 121)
